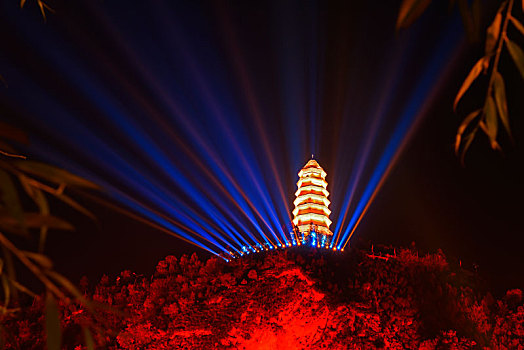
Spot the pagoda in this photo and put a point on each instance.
(311, 214)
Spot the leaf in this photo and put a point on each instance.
(467, 20)
(467, 142)
(74, 204)
(473, 74)
(484, 128)
(490, 111)
(409, 11)
(42, 10)
(90, 343)
(23, 289)
(41, 259)
(22, 3)
(469, 118)
(9, 198)
(48, 8)
(37, 220)
(64, 282)
(42, 204)
(26, 185)
(493, 33)
(500, 99)
(517, 24)
(31, 186)
(9, 266)
(11, 154)
(10, 225)
(53, 174)
(516, 53)
(52, 323)
(7, 291)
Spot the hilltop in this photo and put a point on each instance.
(291, 299)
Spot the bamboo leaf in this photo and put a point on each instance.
(517, 24)
(502, 6)
(42, 10)
(23, 289)
(9, 198)
(49, 8)
(5, 153)
(517, 55)
(9, 266)
(493, 33)
(22, 3)
(490, 111)
(409, 11)
(500, 99)
(42, 204)
(90, 343)
(462, 127)
(74, 204)
(26, 185)
(10, 225)
(52, 323)
(473, 74)
(41, 259)
(467, 142)
(64, 282)
(7, 291)
(31, 186)
(467, 20)
(37, 220)
(53, 174)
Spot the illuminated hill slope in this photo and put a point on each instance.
(296, 300)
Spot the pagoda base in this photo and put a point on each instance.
(319, 236)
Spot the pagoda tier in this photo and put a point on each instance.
(311, 214)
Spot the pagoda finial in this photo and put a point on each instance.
(312, 156)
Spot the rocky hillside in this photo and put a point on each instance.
(294, 299)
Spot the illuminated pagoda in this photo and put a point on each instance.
(311, 214)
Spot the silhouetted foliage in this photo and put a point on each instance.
(494, 107)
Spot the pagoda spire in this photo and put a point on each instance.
(311, 214)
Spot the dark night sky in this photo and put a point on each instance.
(337, 55)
